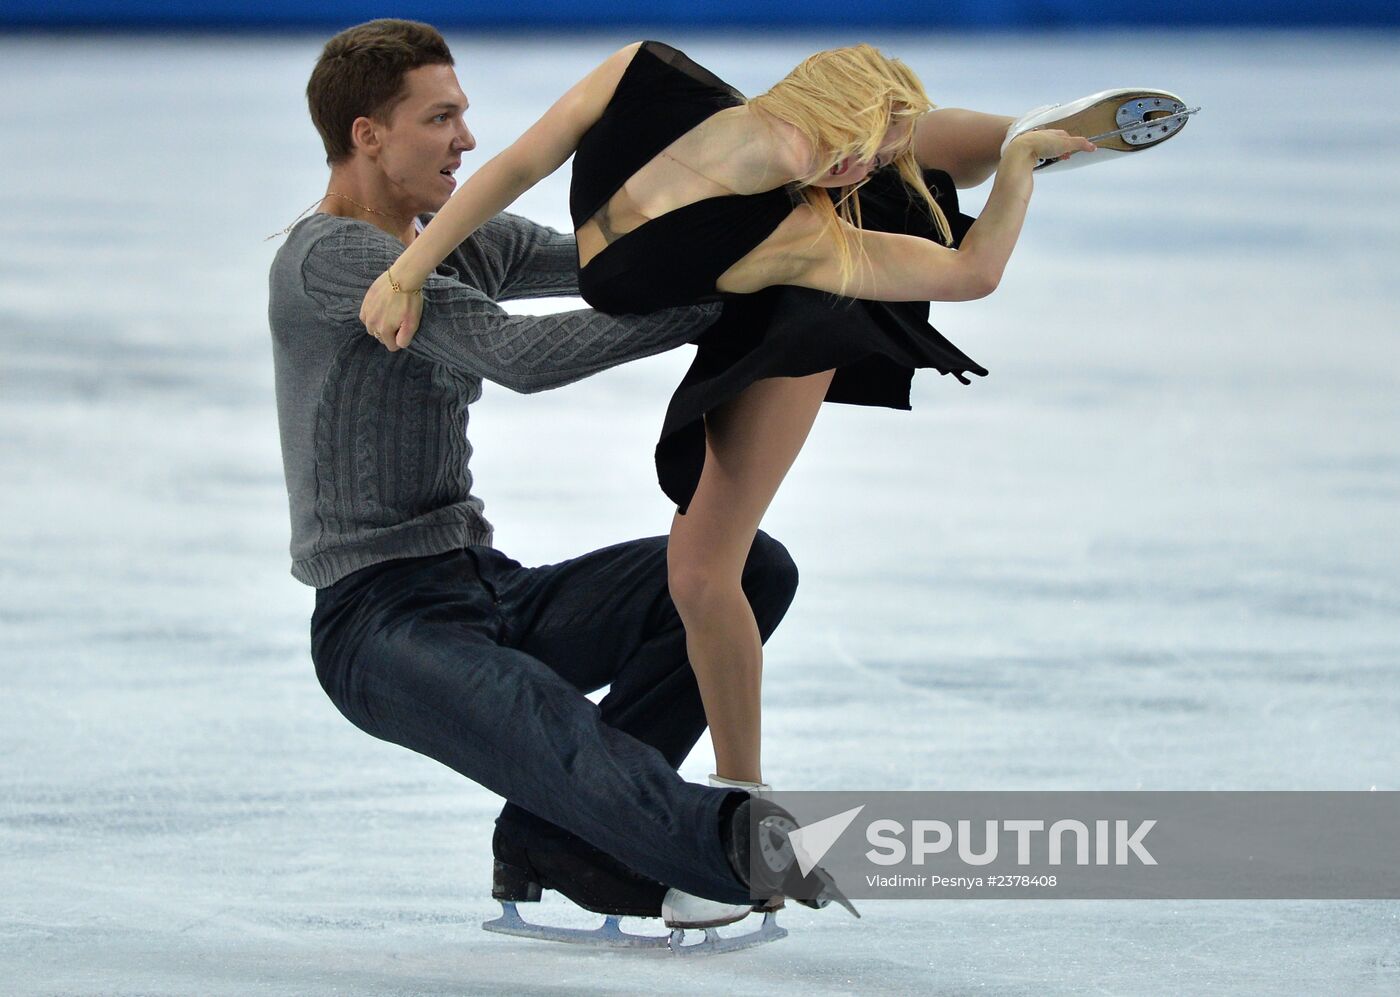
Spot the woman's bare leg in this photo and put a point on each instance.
(964, 144)
(750, 444)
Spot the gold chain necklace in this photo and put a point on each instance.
(362, 207)
(329, 193)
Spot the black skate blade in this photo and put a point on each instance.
(609, 935)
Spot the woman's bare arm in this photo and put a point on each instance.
(490, 190)
(892, 267)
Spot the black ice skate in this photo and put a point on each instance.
(597, 882)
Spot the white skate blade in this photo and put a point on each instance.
(609, 935)
(713, 943)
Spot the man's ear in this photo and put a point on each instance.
(364, 135)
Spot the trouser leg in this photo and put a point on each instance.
(606, 618)
(421, 657)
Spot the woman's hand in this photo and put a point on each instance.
(1046, 144)
(391, 316)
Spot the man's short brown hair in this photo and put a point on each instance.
(360, 74)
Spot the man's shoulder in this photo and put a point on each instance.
(323, 232)
(330, 253)
(322, 269)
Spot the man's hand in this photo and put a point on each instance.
(391, 316)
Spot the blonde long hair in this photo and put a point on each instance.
(844, 101)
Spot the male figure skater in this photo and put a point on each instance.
(423, 633)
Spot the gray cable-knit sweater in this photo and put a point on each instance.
(374, 444)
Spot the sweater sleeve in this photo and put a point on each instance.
(464, 329)
(512, 257)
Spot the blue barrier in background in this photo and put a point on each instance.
(546, 14)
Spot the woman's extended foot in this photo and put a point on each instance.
(1118, 122)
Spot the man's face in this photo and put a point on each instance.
(421, 144)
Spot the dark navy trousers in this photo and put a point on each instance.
(478, 662)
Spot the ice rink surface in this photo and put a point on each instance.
(1155, 549)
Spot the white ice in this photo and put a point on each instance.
(1155, 549)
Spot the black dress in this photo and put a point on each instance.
(675, 259)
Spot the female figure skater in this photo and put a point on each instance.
(683, 191)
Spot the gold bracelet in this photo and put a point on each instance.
(395, 284)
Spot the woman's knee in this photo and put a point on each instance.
(701, 587)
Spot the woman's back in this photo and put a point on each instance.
(653, 200)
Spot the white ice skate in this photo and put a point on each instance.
(682, 910)
(1119, 122)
